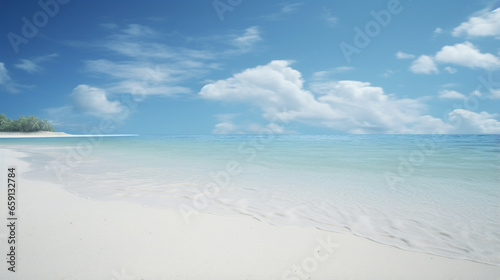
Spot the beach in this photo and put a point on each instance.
(33, 134)
(63, 235)
(250, 140)
(49, 134)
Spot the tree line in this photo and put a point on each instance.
(24, 124)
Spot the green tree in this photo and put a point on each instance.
(23, 124)
(4, 123)
(32, 124)
(46, 126)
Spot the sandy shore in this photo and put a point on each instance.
(63, 236)
(48, 134)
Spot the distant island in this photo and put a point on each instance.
(23, 124)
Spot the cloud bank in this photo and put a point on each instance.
(344, 106)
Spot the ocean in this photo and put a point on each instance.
(438, 194)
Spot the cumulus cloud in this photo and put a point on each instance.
(468, 122)
(466, 54)
(402, 55)
(424, 64)
(368, 109)
(462, 54)
(93, 101)
(272, 87)
(451, 94)
(346, 106)
(485, 23)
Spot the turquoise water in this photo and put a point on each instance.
(428, 193)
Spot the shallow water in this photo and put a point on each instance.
(429, 193)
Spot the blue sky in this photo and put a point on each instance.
(241, 66)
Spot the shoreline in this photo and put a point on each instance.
(62, 235)
(49, 134)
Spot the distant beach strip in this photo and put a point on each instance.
(48, 134)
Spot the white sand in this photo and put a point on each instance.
(63, 236)
(47, 134)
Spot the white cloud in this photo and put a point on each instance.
(495, 94)
(450, 85)
(139, 50)
(137, 30)
(450, 70)
(466, 54)
(451, 94)
(144, 78)
(387, 73)
(143, 65)
(93, 101)
(468, 122)
(342, 69)
(6, 82)
(402, 55)
(28, 66)
(227, 127)
(248, 39)
(272, 87)
(476, 93)
(424, 65)
(485, 23)
(142, 43)
(285, 11)
(347, 106)
(438, 31)
(329, 18)
(327, 74)
(33, 65)
(491, 94)
(4, 75)
(367, 109)
(290, 8)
